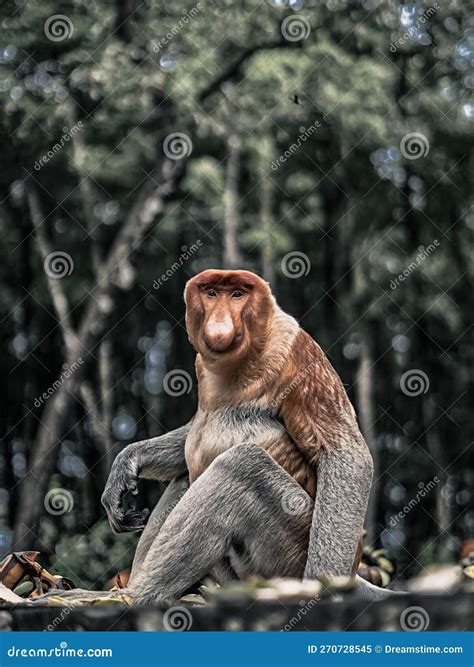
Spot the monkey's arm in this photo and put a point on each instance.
(321, 421)
(343, 485)
(160, 458)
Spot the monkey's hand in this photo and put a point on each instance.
(123, 479)
(160, 458)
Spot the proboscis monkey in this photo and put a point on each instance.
(271, 476)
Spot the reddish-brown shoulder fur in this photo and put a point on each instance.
(315, 407)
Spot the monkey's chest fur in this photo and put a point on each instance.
(215, 431)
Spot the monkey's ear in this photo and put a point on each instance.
(313, 398)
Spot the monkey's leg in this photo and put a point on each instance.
(244, 506)
(168, 501)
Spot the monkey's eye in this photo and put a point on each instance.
(211, 293)
(237, 295)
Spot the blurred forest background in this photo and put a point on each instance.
(321, 143)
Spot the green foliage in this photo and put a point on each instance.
(93, 558)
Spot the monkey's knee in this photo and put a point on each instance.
(249, 468)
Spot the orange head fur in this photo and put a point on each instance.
(227, 315)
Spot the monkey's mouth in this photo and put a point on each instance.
(231, 347)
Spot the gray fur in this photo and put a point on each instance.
(370, 592)
(168, 501)
(248, 415)
(160, 458)
(238, 517)
(343, 487)
(234, 510)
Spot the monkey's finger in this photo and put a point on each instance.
(111, 501)
(134, 520)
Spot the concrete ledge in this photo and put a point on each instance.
(349, 612)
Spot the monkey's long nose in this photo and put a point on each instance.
(219, 333)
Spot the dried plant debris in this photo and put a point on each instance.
(437, 579)
(193, 599)
(80, 597)
(375, 567)
(9, 597)
(21, 573)
(467, 563)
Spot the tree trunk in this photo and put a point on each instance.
(34, 485)
(231, 256)
(56, 416)
(106, 400)
(443, 510)
(266, 215)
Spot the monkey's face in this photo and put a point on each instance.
(227, 314)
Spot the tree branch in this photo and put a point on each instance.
(58, 296)
(150, 201)
(235, 69)
(106, 397)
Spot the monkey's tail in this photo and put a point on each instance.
(371, 592)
